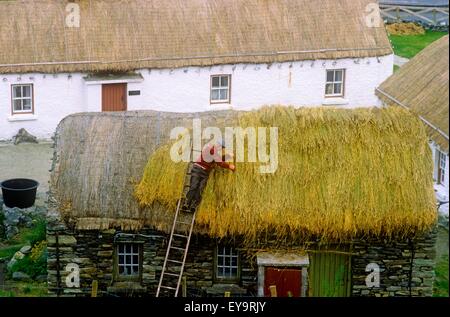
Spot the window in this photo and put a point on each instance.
(441, 166)
(335, 83)
(129, 260)
(227, 267)
(22, 98)
(220, 88)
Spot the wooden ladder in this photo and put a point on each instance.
(177, 248)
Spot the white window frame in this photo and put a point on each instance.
(441, 166)
(134, 250)
(220, 87)
(13, 99)
(222, 253)
(335, 82)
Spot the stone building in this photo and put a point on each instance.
(380, 244)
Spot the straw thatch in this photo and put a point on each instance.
(123, 35)
(422, 85)
(341, 173)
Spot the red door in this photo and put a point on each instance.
(287, 281)
(114, 97)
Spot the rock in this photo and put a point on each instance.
(25, 249)
(24, 137)
(21, 277)
(11, 263)
(18, 255)
(41, 278)
(11, 231)
(62, 240)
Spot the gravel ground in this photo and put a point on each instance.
(26, 161)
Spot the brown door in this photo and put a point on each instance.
(287, 281)
(114, 97)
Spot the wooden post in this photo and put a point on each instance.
(398, 14)
(183, 287)
(94, 288)
(273, 290)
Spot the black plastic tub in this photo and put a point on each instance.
(19, 192)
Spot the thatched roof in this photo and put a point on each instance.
(422, 85)
(341, 173)
(124, 35)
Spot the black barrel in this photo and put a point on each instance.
(19, 192)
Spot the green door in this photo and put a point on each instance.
(329, 274)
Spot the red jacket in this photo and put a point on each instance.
(216, 159)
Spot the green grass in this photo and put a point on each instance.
(441, 281)
(396, 68)
(9, 250)
(409, 45)
(21, 289)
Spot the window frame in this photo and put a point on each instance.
(211, 88)
(226, 280)
(342, 93)
(130, 278)
(441, 167)
(31, 98)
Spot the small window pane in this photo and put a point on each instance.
(330, 75)
(215, 94)
(234, 261)
(17, 105)
(121, 259)
(329, 89)
(26, 91)
(128, 248)
(135, 259)
(224, 81)
(121, 269)
(121, 248)
(26, 104)
(215, 81)
(338, 75)
(223, 94)
(337, 88)
(17, 91)
(227, 261)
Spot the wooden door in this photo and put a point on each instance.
(288, 281)
(114, 97)
(329, 274)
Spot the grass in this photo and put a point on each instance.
(396, 68)
(410, 45)
(21, 289)
(441, 280)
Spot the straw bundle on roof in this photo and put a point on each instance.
(123, 35)
(422, 86)
(342, 173)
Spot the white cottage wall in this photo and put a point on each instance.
(188, 90)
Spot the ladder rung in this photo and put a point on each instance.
(174, 261)
(171, 274)
(168, 287)
(180, 235)
(184, 223)
(177, 248)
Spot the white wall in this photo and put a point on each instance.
(55, 96)
(188, 90)
(442, 190)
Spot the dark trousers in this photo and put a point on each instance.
(199, 177)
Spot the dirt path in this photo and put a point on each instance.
(26, 161)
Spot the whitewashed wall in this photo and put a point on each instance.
(188, 90)
(442, 190)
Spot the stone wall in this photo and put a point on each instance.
(93, 252)
(406, 268)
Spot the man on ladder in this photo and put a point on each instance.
(211, 156)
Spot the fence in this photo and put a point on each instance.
(436, 16)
